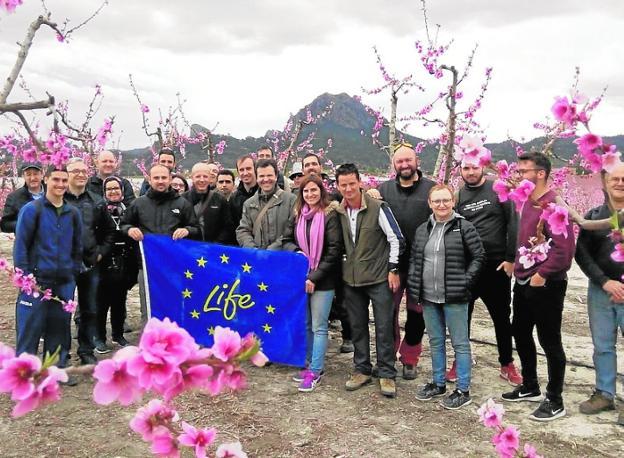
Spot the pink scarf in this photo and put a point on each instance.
(314, 248)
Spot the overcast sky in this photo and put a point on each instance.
(247, 64)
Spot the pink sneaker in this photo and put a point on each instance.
(510, 373)
(309, 382)
(451, 374)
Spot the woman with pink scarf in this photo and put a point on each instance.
(316, 233)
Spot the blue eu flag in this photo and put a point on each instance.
(203, 285)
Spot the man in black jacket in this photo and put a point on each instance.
(247, 186)
(407, 198)
(605, 297)
(160, 211)
(497, 225)
(166, 157)
(265, 152)
(211, 208)
(33, 188)
(98, 232)
(106, 166)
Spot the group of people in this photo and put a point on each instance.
(439, 248)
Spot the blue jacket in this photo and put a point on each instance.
(48, 245)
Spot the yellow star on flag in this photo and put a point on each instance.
(195, 314)
(267, 328)
(224, 259)
(263, 287)
(211, 330)
(246, 268)
(201, 262)
(188, 274)
(186, 293)
(270, 309)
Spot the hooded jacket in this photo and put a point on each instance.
(213, 214)
(13, 204)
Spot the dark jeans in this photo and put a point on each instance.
(36, 319)
(356, 303)
(494, 289)
(542, 308)
(87, 285)
(339, 312)
(111, 296)
(411, 347)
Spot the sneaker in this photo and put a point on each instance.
(357, 381)
(387, 387)
(456, 400)
(521, 393)
(309, 382)
(347, 347)
(121, 341)
(88, 359)
(510, 373)
(596, 403)
(548, 410)
(101, 347)
(451, 374)
(299, 376)
(409, 372)
(430, 391)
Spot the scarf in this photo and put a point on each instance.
(115, 209)
(314, 248)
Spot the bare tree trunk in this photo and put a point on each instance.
(445, 154)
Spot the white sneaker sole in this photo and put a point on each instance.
(539, 398)
(458, 407)
(560, 414)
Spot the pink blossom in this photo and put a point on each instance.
(70, 306)
(526, 258)
(113, 380)
(502, 167)
(563, 110)
(485, 158)
(259, 359)
(610, 161)
(491, 414)
(530, 452)
(199, 439)
(618, 254)
(47, 295)
(507, 441)
(155, 373)
(227, 343)
(144, 108)
(231, 450)
(164, 444)
(557, 219)
(6, 353)
(47, 392)
(17, 376)
(154, 415)
(60, 37)
(10, 5)
(593, 161)
(501, 188)
(3, 264)
(522, 192)
(588, 142)
(165, 341)
(192, 377)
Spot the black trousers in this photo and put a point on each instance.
(494, 289)
(112, 295)
(542, 308)
(338, 310)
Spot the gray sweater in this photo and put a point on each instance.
(433, 264)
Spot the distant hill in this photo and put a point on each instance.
(344, 125)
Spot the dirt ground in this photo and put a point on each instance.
(272, 419)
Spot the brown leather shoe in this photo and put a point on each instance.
(596, 403)
(388, 387)
(357, 381)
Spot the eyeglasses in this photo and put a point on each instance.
(116, 189)
(399, 145)
(441, 201)
(79, 172)
(616, 179)
(523, 171)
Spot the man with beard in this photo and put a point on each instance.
(33, 189)
(225, 183)
(407, 197)
(539, 294)
(247, 187)
(496, 224)
(106, 166)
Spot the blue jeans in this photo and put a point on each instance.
(36, 319)
(317, 316)
(454, 316)
(605, 317)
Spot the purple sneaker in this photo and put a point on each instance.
(301, 374)
(309, 382)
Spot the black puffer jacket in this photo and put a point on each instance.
(13, 204)
(464, 256)
(215, 219)
(161, 213)
(328, 270)
(238, 200)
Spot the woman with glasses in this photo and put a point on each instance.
(446, 258)
(179, 183)
(119, 270)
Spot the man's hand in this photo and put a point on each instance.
(615, 289)
(537, 280)
(135, 234)
(374, 193)
(394, 281)
(309, 286)
(180, 233)
(507, 266)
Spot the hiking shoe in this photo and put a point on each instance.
(451, 374)
(521, 393)
(456, 400)
(121, 341)
(298, 377)
(101, 347)
(510, 373)
(309, 382)
(409, 372)
(388, 387)
(357, 381)
(596, 403)
(347, 346)
(548, 410)
(430, 391)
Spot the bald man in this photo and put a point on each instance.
(211, 208)
(107, 165)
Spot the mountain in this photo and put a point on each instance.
(344, 125)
